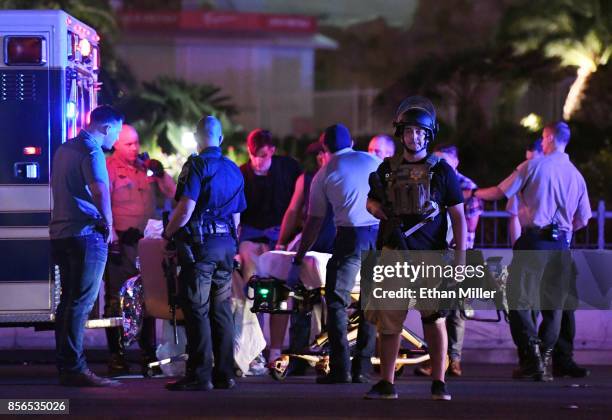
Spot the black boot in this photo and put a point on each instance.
(522, 357)
(569, 368)
(532, 367)
(547, 375)
(117, 365)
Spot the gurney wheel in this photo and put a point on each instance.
(279, 375)
(322, 366)
(279, 368)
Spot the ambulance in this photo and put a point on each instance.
(49, 66)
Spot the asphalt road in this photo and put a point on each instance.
(485, 391)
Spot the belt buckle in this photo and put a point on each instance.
(220, 228)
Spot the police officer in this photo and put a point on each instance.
(553, 203)
(210, 197)
(135, 191)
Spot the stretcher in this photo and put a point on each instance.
(278, 265)
(158, 271)
(151, 253)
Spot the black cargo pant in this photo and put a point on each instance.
(205, 285)
(540, 279)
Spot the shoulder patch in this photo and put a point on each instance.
(187, 168)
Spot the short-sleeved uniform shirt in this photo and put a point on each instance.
(132, 194)
(268, 196)
(343, 182)
(444, 190)
(215, 183)
(76, 164)
(549, 189)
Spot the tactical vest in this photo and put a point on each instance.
(408, 186)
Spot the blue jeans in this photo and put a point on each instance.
(81, 260)
(342, 269)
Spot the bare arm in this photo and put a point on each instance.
(472, 223)
(180, 216)
(166, 185)
(292, 215)
(375, 208)
(514, 226)
(309, 235)
(102, 200)
(489, 194)
(578, 224)
(459, 226)
(583, 213)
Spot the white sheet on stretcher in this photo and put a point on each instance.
(312, 273)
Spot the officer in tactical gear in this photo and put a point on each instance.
(411, 193)
(210, 195)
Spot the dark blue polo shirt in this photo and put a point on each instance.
(214, 182)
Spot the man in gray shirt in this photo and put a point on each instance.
(343, 182)
(80, 229)
(553, 203)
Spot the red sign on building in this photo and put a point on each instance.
(216, 21)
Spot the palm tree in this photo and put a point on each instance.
(165, 109)
(578, 32)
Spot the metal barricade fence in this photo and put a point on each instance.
(492, 231)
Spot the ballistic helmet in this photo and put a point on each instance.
(416, 111)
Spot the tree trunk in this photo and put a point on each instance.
(576, 92)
